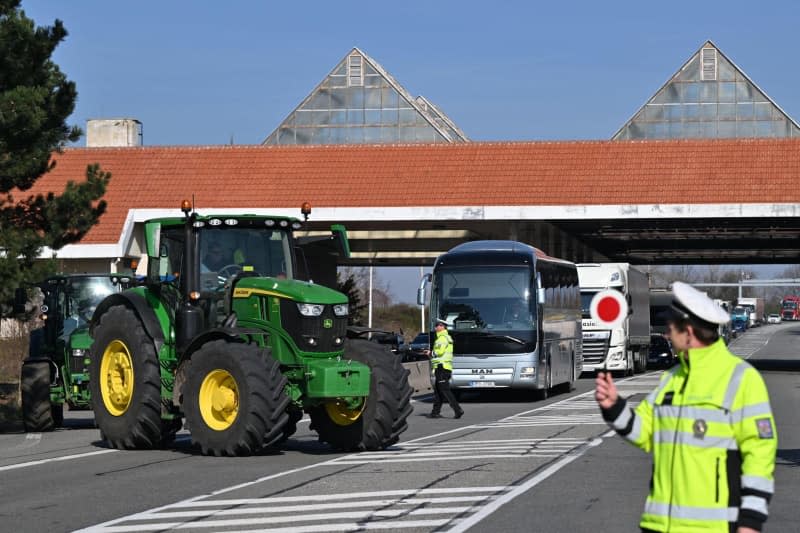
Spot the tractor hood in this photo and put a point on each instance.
(298, 291)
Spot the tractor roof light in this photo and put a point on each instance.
(186, 207)
(305, 210)
(194, 295)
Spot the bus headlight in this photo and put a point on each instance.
(340, 309)
(528, 372)
(310, 309)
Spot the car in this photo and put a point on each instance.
(660, 355)
(417, 349)
(774, 318)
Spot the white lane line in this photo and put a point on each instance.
(54, 459)
(335, 497)
(533, 454)
(525, 487)
(293, 518)
(345, 528)
(269, 508)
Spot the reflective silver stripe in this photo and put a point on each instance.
(733, 385)
(687, 412)
(668, 436)
(755, 503)
(636, 430)
(651, 398)
(729, 514)
(757, 409)
(758, 483)
(622, 420)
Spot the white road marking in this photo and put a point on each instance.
(53, 459)
(374, 504)
(525, 487)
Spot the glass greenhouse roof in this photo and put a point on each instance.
(709, 97)
(360, 103)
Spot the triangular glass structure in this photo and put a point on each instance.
(709, 97)
(360, 103)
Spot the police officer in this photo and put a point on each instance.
(708, 424)
(442, 365)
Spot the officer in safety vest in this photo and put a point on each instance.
(442, 366)
(708, 424)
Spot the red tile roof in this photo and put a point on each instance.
(523, 173)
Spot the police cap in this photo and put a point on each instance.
(688, 302)
(441, 321)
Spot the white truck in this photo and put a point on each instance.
(623, 350)
(755, 307)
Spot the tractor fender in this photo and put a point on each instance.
(233, 334)
(139, 305)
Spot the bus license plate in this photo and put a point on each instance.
(482, 383)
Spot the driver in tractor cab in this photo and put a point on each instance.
(215, 258)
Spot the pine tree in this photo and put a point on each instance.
(36, 99)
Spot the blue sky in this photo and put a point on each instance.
(206, 72)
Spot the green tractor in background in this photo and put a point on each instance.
(227, 330)
(56, 371)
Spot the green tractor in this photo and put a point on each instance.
(228, 331)
(56, 371)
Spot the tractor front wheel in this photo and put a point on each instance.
(234, 399)
(37, 414)
(380, 420)
(125, 381)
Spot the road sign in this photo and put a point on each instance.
(609, 308)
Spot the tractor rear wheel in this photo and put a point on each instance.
(234, 399)
(37, 415)
(379, 422)
(125, 381)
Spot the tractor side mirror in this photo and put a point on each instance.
(20, 299)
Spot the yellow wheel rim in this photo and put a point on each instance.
(219, 400)
(116, 378)
(341, 415)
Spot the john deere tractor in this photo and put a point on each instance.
(228, 331)
(56, 370)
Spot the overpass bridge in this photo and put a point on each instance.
(647, 202)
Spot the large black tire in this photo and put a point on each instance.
(125, 381)
(37, 415)
(234, 399)
(387, 406)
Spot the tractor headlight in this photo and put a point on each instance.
(77, 352)
(310, 309)
(341, 309)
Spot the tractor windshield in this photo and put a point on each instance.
(226, 251)
(81, 298)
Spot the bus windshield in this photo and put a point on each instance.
(487, 309)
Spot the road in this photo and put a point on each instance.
(509, 465)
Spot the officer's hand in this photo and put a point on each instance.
(427, 352)
(746, 530)
(605, 392)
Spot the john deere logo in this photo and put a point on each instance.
(327, 323)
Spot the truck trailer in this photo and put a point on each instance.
(755, 307)
(623, 349)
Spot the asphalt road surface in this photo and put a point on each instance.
(510, 464)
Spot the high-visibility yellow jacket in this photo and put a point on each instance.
(710, 428)
(442, 351)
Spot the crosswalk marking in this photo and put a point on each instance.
(371, 512)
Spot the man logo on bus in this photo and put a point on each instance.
(609, 308)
